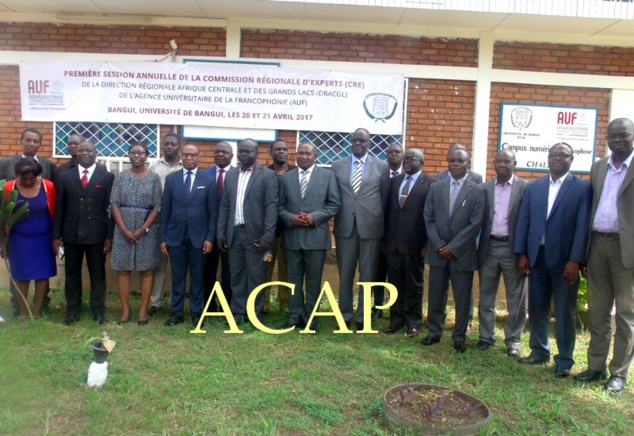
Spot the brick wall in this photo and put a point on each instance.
(393, 49)
(439, 113)
(546, 95)
(192, 41)
(564, 58)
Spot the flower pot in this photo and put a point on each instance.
(433, 410)
(101, 354)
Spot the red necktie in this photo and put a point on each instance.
(84, 179)
(220, 182)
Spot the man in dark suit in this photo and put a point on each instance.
(454, 211)
(309, 197)
(189, 212)
(405, 243)
(223, 154)
(496, 257)
(611, 260)
(31, 140)
(73, 142)
(83, 224)
(394, 155)
(246, 227)
(279, 154)
(364, 183)
(551, 239)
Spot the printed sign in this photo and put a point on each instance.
(219, 95)
(530, 130)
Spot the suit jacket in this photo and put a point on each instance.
(517, 193)
(405, 228)
(82, 216)
(458, 231)
(322, 201)
(565, 229)
(475, 177)
(368, 205)
(212, 172)
(7, 167)
(625, 206)
(68, 165)
(260, 205)
(197, 214)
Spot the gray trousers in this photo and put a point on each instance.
(158, 289)
(461, 283)
(351, 251)
(500, 260)
(610, 283)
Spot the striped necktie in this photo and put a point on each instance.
(303, 183)
(356, 178)
(405, 191)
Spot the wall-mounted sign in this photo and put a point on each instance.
(530, 130)
(219, 95)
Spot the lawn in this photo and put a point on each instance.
(168, 381)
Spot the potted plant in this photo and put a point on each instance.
(11, 213)
(98, 370)
(431, 409)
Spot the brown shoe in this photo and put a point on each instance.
(411, 333)
(393, 328)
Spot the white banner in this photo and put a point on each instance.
(530, 130)
(221, 95)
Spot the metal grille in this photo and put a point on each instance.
(335, 145)
(112, 140)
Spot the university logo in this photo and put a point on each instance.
(379, 106)
(521, 117)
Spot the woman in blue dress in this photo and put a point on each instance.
(31, 255)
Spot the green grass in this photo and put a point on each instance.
(168, 381)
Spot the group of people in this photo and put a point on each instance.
(390, 218)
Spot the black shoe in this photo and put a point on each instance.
(289, 325)
(100, 318)
(153, 310)
(70, 320)
(482, 345)
(123, 321)
(359, 326)
(460, 347)
(195, 320)
(173, 320)
(590, 375)
(376, 314)
(348, 325)
(614, 384)
(142, 322)
(561, 372)
(513, 352)
(532, 360)
(430, 340)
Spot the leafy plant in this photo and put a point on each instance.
(11, 213)
(104, 339)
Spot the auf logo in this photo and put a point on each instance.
(38, 86)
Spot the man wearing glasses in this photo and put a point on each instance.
(551, 240)
(364, 183)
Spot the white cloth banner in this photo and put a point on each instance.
(221, 95)
(530, 131)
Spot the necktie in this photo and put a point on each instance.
(405, 191)
(455, 189)
(84, 179)
(356, 178)
(188, 183)
(394, 174)
(221, 175)
(303, 183)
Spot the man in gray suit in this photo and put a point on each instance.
(495, 255)
(309, 197)
(364, 183)
(246, 226)
(454, 211)
(611, 260)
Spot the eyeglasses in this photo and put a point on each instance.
(137, 153)
(189, 155)
(360, 140)
(558, 155)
